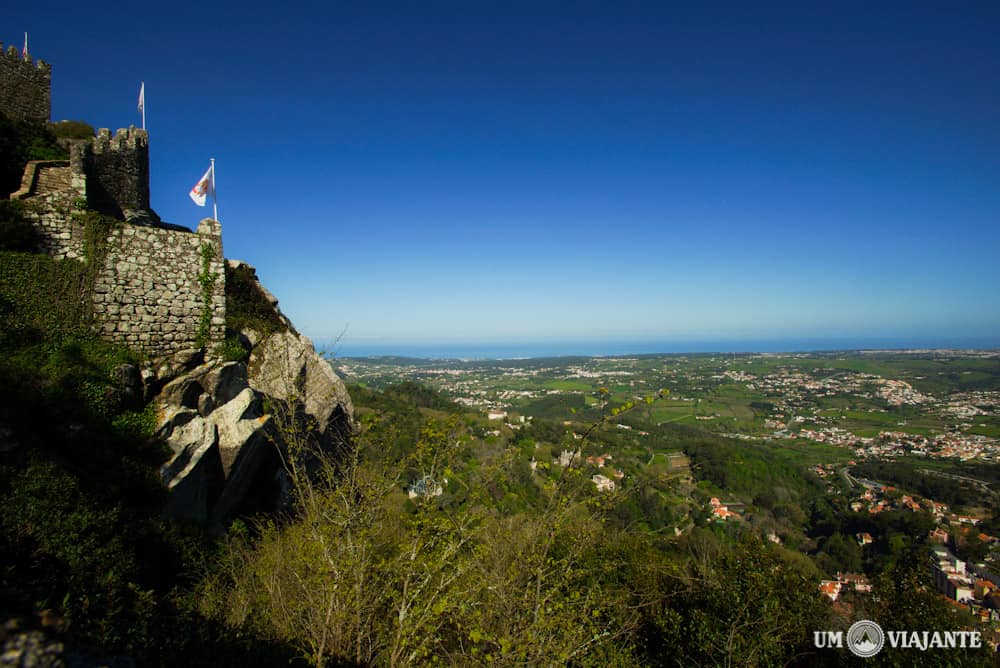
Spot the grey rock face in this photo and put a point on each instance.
(223, 383)
(129, 381)
(194, 474)
(229, 455)
(32, 648)
(286, 366)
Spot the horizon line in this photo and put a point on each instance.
(448, 352)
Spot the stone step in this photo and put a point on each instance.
(52, 179)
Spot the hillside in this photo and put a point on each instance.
(186, 481)
(112, 512)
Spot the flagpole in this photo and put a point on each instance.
(215, 198)
(143, 89)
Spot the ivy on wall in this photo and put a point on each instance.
(206, 279)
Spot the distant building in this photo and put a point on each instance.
(830, 588)
(566, 457)
(603, 483)
(859, 582)
(426, 487)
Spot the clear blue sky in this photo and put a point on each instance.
(524, 171)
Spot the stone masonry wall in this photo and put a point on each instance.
(118, 172)
(149, 294)
(24, 87)
(52, 190)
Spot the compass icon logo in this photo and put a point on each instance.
(865, 638)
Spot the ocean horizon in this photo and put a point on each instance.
(469, 350)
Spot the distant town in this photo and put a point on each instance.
(929, 413)
(931, 416)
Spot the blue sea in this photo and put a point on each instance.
(606, 348)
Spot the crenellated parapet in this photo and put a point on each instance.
(124, 139)
(25, 86)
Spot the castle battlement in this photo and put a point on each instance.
(14, 56)
(124, 139)
(25, 86)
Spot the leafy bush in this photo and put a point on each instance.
(72, 130)
(21, 141)
(232, 349)
(246, 305)
(43, 297)
(16, 232)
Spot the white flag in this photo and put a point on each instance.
(204, 187)
(142, 96)
(24, 51)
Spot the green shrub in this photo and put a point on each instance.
(246, 305)
(21, 141)
(232, 350)
(72, 130)
(43, 297)
(135, 426)
(16, 232)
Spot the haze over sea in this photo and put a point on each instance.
(598, 348)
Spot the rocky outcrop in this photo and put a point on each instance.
(46, 647)
(285, 365)
(233, 427)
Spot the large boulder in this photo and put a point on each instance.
(247, 444)
(220, 440)
(194, 475)
(286, 366)
(230, 456)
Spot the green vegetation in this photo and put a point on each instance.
(246, 305)
(747, 470)
(16, 232)
(21, 141)
(496, 576)
(206, 281)
(82, 532)
(72, 130)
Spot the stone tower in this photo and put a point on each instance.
(25, 87)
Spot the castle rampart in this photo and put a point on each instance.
(110, 172)
(158, 288)
(162, 290)
(24, 87)
(52, 191)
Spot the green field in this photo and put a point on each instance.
(568, 385)
(713, 400)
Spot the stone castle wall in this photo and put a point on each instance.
(117, 170)
(24, 87)
(52, 190)
(109, 172)
(149, 294)
(160, 288)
